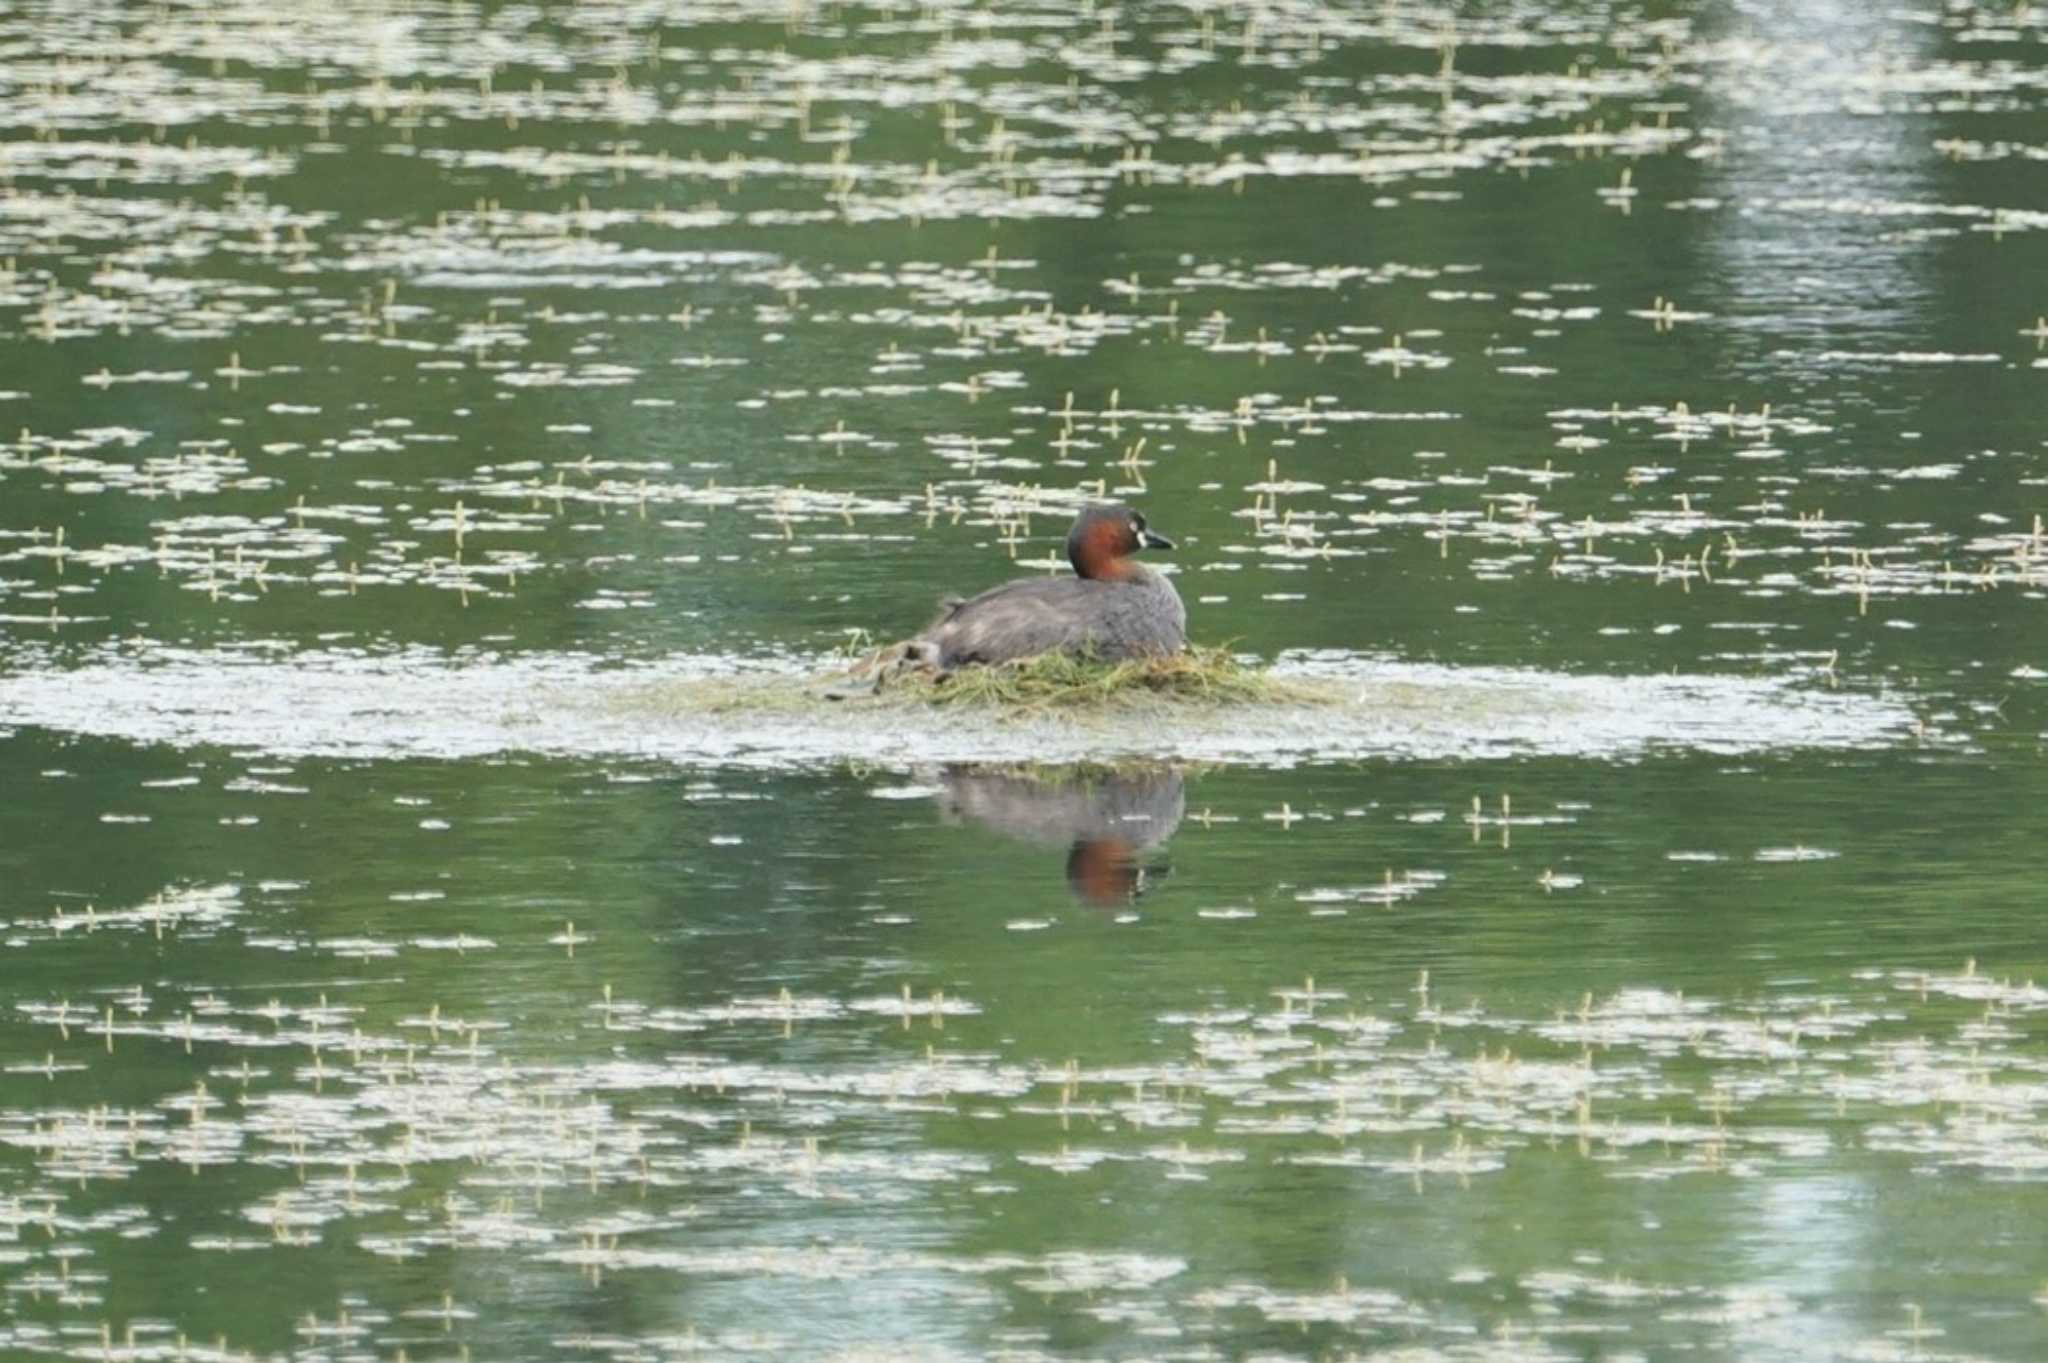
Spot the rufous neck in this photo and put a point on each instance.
(1099, 552)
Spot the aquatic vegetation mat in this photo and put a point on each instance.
(713, 710)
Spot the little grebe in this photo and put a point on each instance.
(1114, 607)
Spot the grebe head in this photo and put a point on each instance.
(1104, 537)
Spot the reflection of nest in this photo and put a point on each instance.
(1105, 819)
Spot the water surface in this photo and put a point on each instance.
(1637, 407)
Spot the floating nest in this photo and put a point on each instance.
(1069, 682)
(1052, 684)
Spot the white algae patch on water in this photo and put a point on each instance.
(712, 710)
(653, 1154)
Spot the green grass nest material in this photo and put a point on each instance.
(1050, 684)
(1061, 681)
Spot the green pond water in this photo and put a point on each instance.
(410, 413)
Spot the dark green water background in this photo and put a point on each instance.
(644, 331)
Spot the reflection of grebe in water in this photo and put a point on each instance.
(1106, 822)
